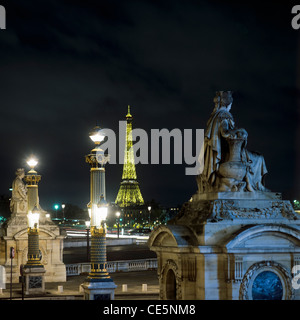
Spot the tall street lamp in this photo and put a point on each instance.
(56, 206)
(98, 285)
(33, 270)
(149, 209)
(63, 208)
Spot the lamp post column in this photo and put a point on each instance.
(32, 179)
(33, 270)
(98, 253)
(98, 285)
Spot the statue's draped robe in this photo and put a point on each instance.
(212, 145)
(256, 170)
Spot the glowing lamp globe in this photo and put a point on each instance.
(32, 163)
(33, 218)
(97, 135)
(99, 213)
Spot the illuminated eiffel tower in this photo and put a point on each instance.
(129, 194)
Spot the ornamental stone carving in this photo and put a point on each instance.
(256, 269)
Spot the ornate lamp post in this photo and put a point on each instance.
(33, 270)
(98, 285)
(63, 213)
(149, 210)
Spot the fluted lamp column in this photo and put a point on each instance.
(98, 285)
(32, 179)
(98, 243)
(33, 239)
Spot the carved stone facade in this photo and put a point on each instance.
(263, 266)
(220, 256)
(14, 234)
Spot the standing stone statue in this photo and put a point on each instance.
(18, 202)
(228, 165)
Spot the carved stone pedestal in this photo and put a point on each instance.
(229, 249)
(34, 280)
(99, 290)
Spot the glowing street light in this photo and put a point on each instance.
(63, 208)
(149, 209)
(97, 135)
(32, 162)
(56, 207)
(33, 219)
(32, 179)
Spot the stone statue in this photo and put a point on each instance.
(228, 165)
(18, 202)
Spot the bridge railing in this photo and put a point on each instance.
(76, 269)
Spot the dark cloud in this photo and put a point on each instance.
(65, 65)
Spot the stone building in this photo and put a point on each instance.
(234, 239)
(14, 234)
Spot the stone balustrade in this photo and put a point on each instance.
(76, 269)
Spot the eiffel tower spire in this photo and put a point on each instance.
(129, 193)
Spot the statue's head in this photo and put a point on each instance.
(20, 173)
(223, 98)
(226, 98)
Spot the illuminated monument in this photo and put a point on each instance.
(129, 194)
(234, 239)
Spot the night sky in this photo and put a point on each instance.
(67, 65)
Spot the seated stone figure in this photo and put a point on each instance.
(228, 165)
